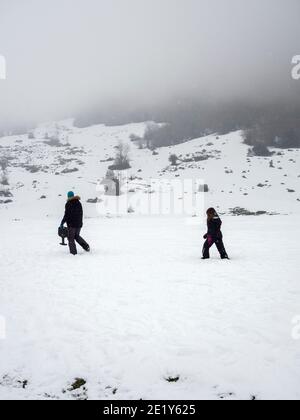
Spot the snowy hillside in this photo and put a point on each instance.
(38, 169)
(142, 316)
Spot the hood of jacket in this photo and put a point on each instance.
(76, 197)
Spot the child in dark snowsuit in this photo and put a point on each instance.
(74, 219)
(214, 235)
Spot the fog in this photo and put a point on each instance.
(65, 57)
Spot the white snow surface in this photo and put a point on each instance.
(142, 307)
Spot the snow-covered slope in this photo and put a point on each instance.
(39, 170)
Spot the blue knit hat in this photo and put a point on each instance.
(71, 194)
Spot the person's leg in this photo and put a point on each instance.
(81, 241)
(207, 245)
(221, 249)
(71, 240)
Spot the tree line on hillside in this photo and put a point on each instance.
(269, 125)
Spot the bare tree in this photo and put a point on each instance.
(173, 159)
(122, 160)
(4, 176)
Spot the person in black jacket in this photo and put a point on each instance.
(74, 219)
(214, 235)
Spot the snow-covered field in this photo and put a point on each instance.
(143, 307)
(142, 316)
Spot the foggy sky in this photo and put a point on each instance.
(64, 56)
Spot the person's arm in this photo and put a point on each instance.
(64, 220)
(206, 235)
(218, 226)
(81, 212)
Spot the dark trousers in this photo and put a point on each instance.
(73, 237)
(219, 244)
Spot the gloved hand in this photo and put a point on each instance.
(205, 236)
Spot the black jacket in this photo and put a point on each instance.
(214, 227)
(73, 213)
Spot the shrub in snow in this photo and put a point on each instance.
(201, 158)
(79, 382)
(173, 159)
(5, 193)
(260, 149)
(54, 142)
(4, 163)
(33, 168)
(110, 174)
(4, 179)
(256, 137)
(69, 171)
(173, 379)
(240, 211)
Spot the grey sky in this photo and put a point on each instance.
(65, 55)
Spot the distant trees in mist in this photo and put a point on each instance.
(265, 125)
(276, 127)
